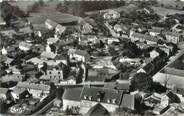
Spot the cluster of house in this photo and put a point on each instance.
(89, 99)
(172, 74)
(52, 48)
(24, 90)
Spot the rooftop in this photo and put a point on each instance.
(3, 90)
(72, 94)
(178, 63)
(144, 36)
(105, 95)
(33, 86)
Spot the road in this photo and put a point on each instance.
(113, 33)
(45, 108)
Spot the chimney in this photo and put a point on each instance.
(90, 97)
(108, 100)
(114, 101)
(85, 96)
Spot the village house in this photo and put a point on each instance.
(14, 70)
(78, 55)
(155, 99)
(154, 53)
(111, 40)
(100, 74)
(39, 29)
(87, 28)
(71, 97)
(50, 24)
(4, 51)
(2, 22)
(37, 48)
(167, 49)
(70, 80)
(117, 28)
(12, 77)
(37, 90)
(173, 37)
(47, 55)
(25, 31)
(60, 29)
(148, 68)
(108, 98)
(128, 102)
(19, 93)
(8, 33)
(3, 93)
(103, 62)
(158, 110)
(24, 46)
(52, 40)
(154, 31)
(52, 75)
(143, 38)
(111, 14)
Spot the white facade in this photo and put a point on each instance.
(87, 105)
(77, 57)
(70, 103)
(172, 39)
(154, 33)
(154, 54)
(38, 93)
(4, 51)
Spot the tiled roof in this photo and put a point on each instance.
(48, 55)
(148, 67)
(128, 101)
(3, 90)
(51, 22)
(172, 34)
(19, 90)
(100, 74)
(13, 77)
(39, 27)
(146, 37)
(37, 19)
(52, 40)
(110, 96)
(79, 52)
(24, 44)
(154, 30)
(25, 30)
(60, 28)
(72, 94)
(34, 86)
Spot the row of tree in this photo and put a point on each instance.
(80, 7)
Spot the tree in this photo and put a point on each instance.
(44, 68)
(53, 48)
(142, 81)
(2, 106)
(52, 90)
(41, 2)
(7, 12)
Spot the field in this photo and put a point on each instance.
(164, 11)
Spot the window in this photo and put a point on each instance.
(50, 72)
